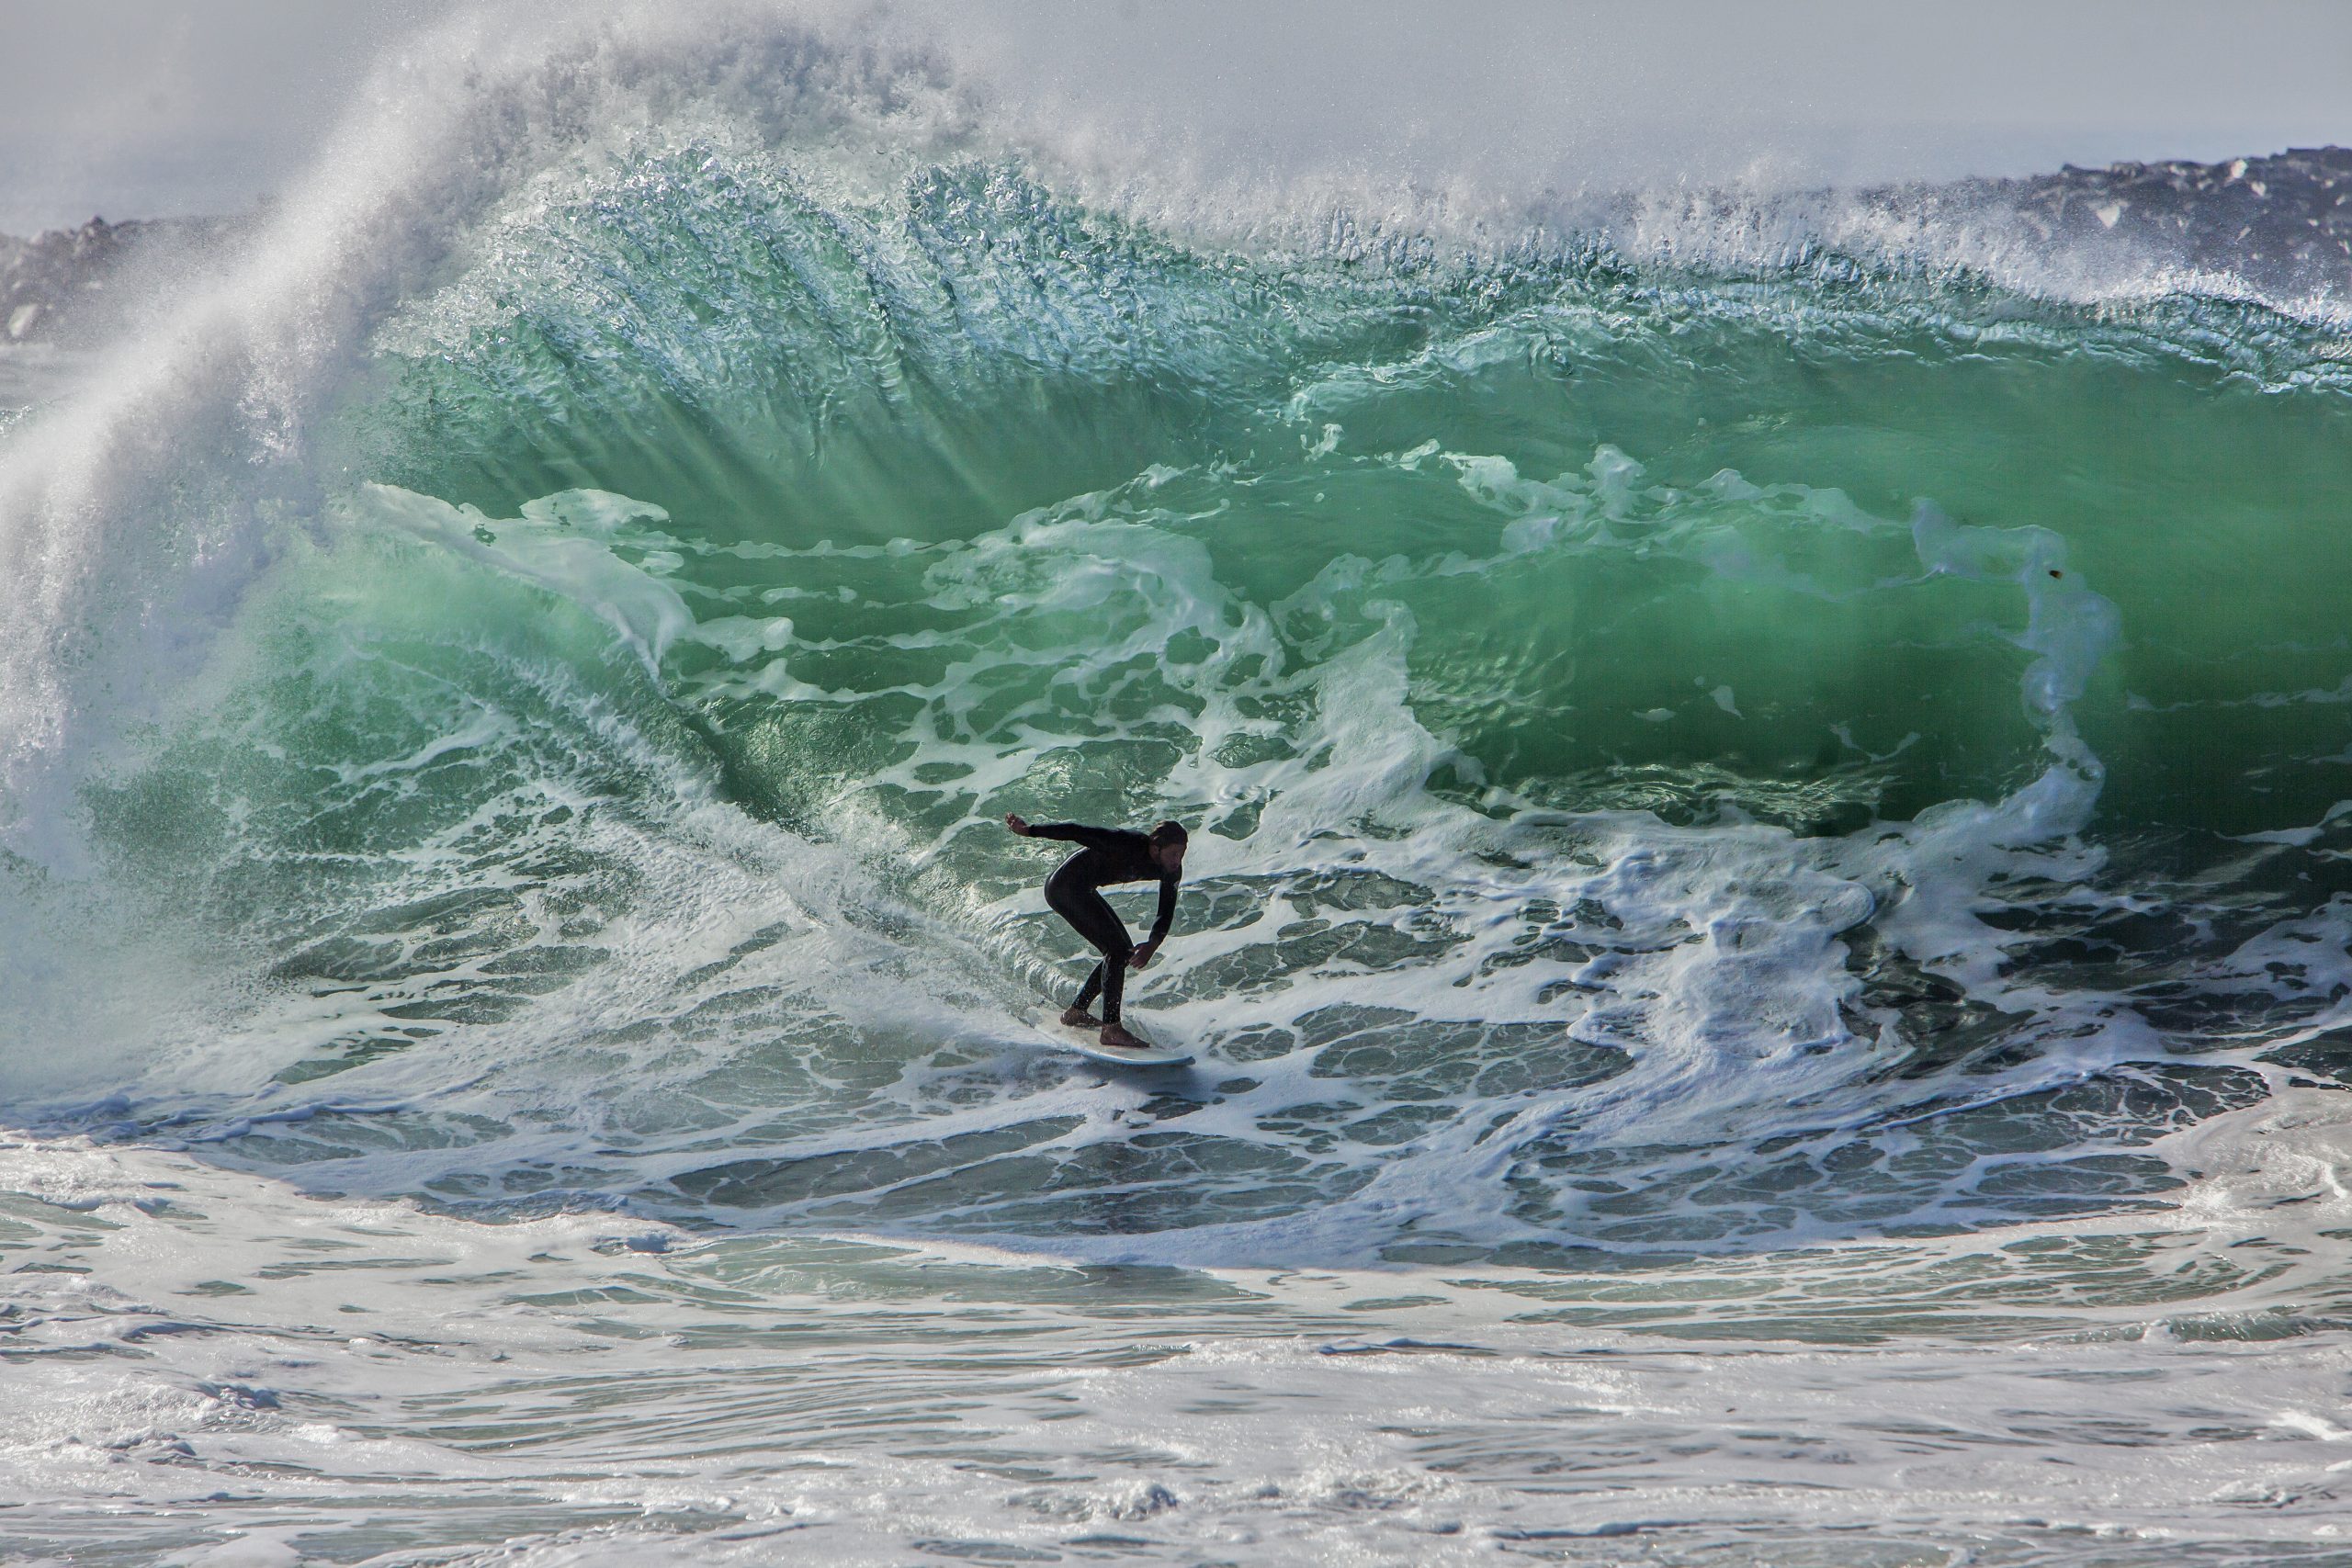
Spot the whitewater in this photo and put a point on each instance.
(1764, 938)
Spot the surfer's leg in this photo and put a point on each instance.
(1093, 918)
(1078, 1015)
(1114, 969)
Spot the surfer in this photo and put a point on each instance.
(1107, 856)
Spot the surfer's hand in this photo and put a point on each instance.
(1013, 821)
(1141, 956)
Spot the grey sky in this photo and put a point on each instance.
(137, 108)
(1867, 86)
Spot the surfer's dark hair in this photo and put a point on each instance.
(1170, 833)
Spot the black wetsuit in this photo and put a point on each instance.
(1107, 855)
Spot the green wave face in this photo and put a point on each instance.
(1675, 760)
(1704, 481)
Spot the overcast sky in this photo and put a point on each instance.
(145, 107)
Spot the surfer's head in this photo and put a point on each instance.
(1167, 843)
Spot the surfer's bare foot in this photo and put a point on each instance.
(1115, 1035)
(1079, 1017)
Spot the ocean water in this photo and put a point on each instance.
(1766, 940)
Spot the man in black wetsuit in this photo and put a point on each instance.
(1105, 856)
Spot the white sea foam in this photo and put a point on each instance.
(280, 1373)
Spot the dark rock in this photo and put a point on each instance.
(65, 286)
(2281, 225)
(2278, 222)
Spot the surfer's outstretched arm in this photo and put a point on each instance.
(1073, 832)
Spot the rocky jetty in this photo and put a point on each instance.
(66, 284)
(2281, 223)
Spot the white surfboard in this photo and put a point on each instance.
(1150, 1056)
(1082, 1041)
